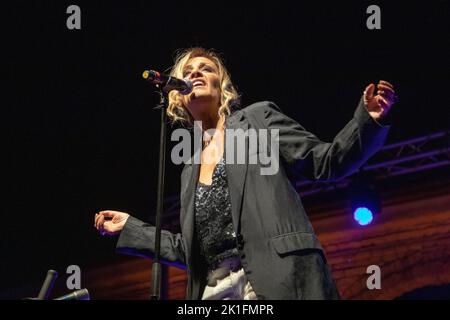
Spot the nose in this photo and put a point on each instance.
(195, 73)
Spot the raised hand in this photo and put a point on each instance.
(380, 104)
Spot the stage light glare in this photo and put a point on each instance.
(363, 216)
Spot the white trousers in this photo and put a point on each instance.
(232, 287)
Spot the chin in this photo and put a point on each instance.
(200, 96)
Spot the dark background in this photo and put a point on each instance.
(80, 133)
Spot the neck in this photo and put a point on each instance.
(210, 118)
(213, 130)
(217, 123)
(213, 123)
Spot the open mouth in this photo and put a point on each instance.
(198, 83)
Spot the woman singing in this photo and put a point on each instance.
(244, 234)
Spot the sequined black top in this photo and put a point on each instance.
(213, 219)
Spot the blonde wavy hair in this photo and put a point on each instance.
(229, 97)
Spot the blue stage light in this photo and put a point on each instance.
(365, 201)
(363, 216)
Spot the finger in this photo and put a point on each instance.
(95, 219)
(108, 226)
(383, 103)
(97, 216)
(108, 213)
(385, 88)
(369, 91)
(100, 222)
(103, 214)
(386, 84)
(386, 95)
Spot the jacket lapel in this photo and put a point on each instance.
(191, 172)
(236, 173)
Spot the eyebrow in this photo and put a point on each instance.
(202, 64)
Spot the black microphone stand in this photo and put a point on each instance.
(47, 286)
(164, 84)
(156, 266)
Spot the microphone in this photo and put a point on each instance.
(82, 294)
(168, 82)
(47, 285)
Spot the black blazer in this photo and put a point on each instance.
(280, 253)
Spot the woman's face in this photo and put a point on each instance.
(206, 85)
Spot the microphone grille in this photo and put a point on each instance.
(150, 75)
(146, 74)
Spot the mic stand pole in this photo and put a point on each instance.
(156, 266)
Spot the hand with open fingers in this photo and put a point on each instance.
(380, 104)
(109, 222)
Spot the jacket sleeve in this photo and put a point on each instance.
(361, 138)
(138, 238)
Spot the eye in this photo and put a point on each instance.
(208, 69)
